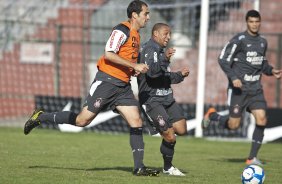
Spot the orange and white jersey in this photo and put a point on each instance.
(125, 42)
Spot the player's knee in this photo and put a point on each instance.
(136, 122)
(170, 139)
(169, 136)
(82, 122)
(181, 131)
(180, 127)
(233, 125)
(261, 120)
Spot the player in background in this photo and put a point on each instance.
(111, 87)
(243, 61)
(156, 96)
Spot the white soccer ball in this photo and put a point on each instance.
(253, 174)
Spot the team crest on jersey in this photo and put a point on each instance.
(98, 102)
(236, 109)
(160, 120)
(262, 45)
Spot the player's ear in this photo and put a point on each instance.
(134, 15)
(155, 33)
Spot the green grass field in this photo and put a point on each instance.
(50, 156)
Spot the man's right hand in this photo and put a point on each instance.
(237, 83)
(142, 68)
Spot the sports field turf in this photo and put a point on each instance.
(50, 156)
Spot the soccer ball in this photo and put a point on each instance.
(253, 174)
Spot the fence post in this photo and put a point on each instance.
(202, 66)
(278, 65)
(57, 60)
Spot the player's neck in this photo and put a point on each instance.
(134, 25)
(252, 33)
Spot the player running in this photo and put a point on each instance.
(111, 87)
(243, 61)
(155, 93)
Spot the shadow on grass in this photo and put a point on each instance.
(236, 160)
(126, 169)
(233, 160)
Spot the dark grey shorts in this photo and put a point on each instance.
(240, 102)
(162, 117)
(104, 95)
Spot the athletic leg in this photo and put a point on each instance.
(132, 116)
(67, 117)
(163, 118)
(100, 95)
(167, 147)
(261, 120)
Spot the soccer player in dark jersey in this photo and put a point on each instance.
(111, 87)
(243, 61)
(156, 96)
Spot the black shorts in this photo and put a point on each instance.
(162, 117)
(104, 95)
(240, 102)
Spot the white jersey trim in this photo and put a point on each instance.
(232, 52)
(229, 94)
(145, 109)
(94, 87)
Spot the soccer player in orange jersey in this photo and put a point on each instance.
(111, 87)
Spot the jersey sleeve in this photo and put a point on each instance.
(118, 37)
(226, 57)
(157, 68)
(266, 67)
(176, 77)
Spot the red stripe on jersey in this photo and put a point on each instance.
(119, 43)
(112, 38)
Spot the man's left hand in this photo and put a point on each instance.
(185, 72)
(277, 73)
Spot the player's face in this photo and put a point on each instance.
(143, 16)
(163, 36)
(253, 25)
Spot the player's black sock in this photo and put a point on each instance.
(63, 117)
(222, 120)
(167, 150)
(256, 141)
(214, 116)
(137, 146)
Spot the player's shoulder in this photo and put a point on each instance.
(262, 38)
(149, 46)
(239, 37)
(123, 28)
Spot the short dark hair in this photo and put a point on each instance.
(135, 6)
(252, 13)
(157, 26)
